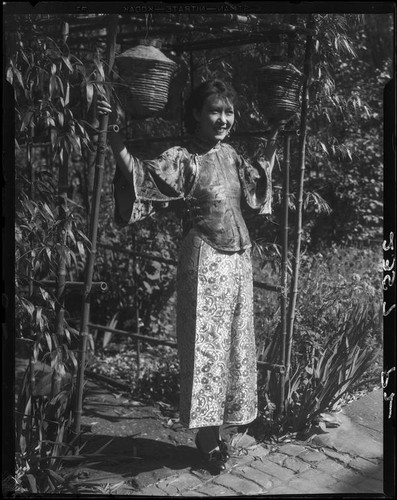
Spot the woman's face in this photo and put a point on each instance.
(215, 119)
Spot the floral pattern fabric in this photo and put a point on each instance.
(216, 340)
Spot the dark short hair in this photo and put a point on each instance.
(200, 94)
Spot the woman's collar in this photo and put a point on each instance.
(205, 146)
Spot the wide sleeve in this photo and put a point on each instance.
(256, 183)
(166, 178)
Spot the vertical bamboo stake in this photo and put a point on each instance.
(136, 303)
(284, 261)
(99, 168)
(63, 183)
(298, 237)
(138, 344)
(61, 271)
(191, 71)
(29, 164)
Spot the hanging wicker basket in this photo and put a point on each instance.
(146, 74)
(280, 87)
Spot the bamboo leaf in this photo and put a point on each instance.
(99, 66)
(56, 476)
(73, 359)
(67, 63)
(71, 235)
(60, 84)
(89, 94)
(81, 249)
(39, 317)
(49, 341)
(19, 76)
(100, 450)
(32, 483)
(49, 212)
(10, 75)
(29, 307)
(83, 236)
(52, 85)
(67, 94)
(26, 120)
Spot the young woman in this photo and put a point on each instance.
(215, 329)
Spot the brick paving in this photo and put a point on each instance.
(341, 461)
(289, 469)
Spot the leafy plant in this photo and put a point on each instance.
(332, 373)
(337, 339)
(50, 244)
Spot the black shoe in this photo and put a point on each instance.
(215, 460)
(224, 449)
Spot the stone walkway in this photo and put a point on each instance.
(289, 469)
(163, 461)
(347, 459)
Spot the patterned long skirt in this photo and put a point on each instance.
(215, 331)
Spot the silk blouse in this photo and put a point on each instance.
(212, 182)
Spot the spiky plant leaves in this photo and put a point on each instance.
(32, 483)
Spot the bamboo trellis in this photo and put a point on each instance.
(286, 323)
(265, 33)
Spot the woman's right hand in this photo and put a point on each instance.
(104, 108)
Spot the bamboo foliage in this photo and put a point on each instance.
(49, 243)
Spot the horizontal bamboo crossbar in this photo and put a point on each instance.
(174, 138)
(265, 286)
(116, 248)
(126, 387)
(97, 286)
(263, 365)
(108, 380)
(152, 340)
(135, 336)
(143, 255)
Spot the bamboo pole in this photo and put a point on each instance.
(61, 270)
(96, 286)
(112, 30)
(284, 261)
(182, 137)
(298, 224)
(136, 303)
(29, 165)
(63, 184)
(136, 336)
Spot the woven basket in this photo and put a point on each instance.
(280, 87)
(147, 73)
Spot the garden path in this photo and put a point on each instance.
(149, 453)
(152, 454)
